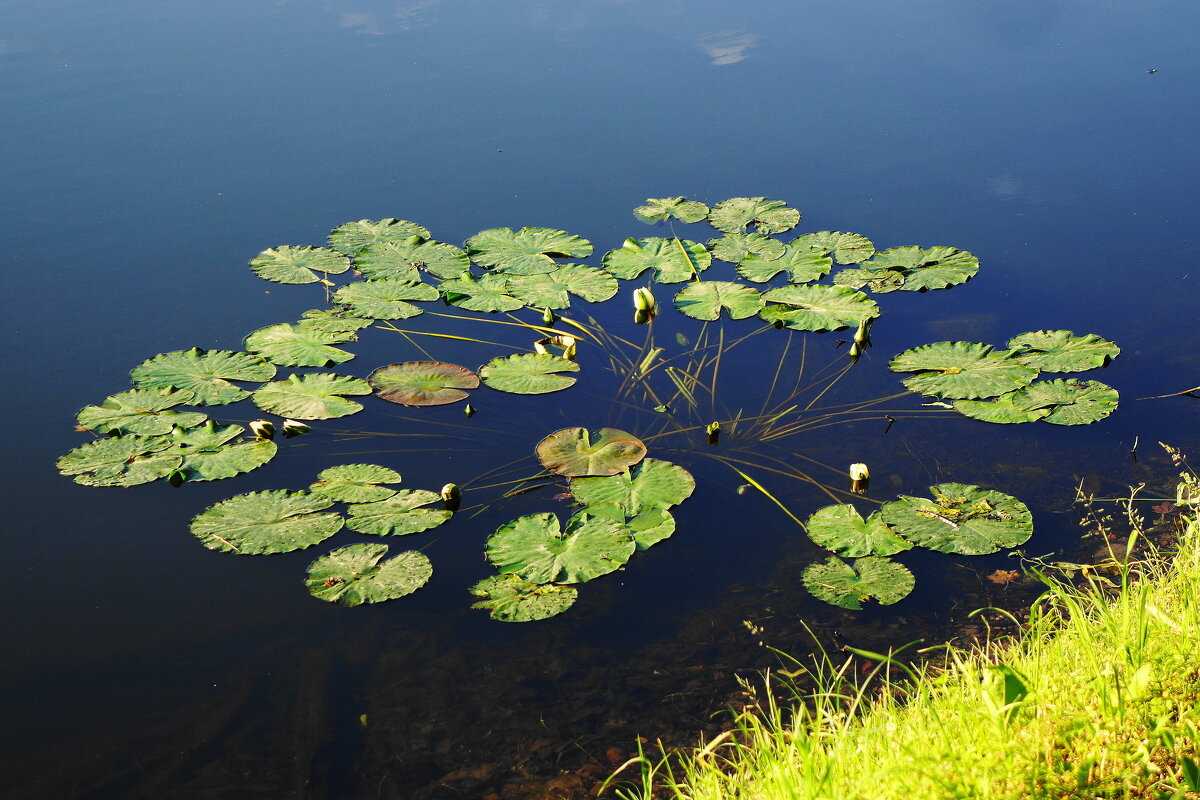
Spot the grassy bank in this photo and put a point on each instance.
(1100, 698)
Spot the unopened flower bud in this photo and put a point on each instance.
(291, 427)
(643, 300)
(451, 497)
(860, 478)
(262, 429)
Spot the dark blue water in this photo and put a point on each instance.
(148, 150)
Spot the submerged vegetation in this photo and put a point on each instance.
(674, 395)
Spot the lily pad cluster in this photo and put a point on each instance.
(1000, 386)
(625, 499)
(956, 518)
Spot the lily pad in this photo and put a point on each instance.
(817, 308)
(846, 586)
(737, 247)
(205, 373)
(324, 320)
(398, 515)
(1069, 402)
(658, 209)
(528, 373)
(511, 598)
(354, 237)
(355, 483)
(574, 451)
(647, 528)
(298, 264)
(652, 484)
(842, 529)
(846, 248)
(554, 289)
(489, 293)
(706, 299)
(423, 383)
(737, 214)
(210, 452)
(356, 574)
(121, 461)
(384, 299)
(802, 264)
(292, 346)
(1062, 351)
(535, 548)
(673, 260)
(525, 252)
(1001, 411)
(961, 519)
(962, 370)
(316, 396)
(932, 268)
(142, 411)
(880, 281)
(406, 259)
(259, 523)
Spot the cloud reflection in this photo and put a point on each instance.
(726, 47)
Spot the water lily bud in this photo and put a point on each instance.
(643, 300)
(855, 352)
(563, 340)
(548, 317)
(642, 317)
(262, 429)
(451, 497)
(569, 353)
(540, 348)
(469, 410)
(291, 427)
(862, 336)
(860, 478)
(713, 430)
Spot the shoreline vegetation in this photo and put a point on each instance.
(1098, 698)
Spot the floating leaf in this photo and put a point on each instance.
(1001, 410)
(121, 461)
(1069, 402)
(934, 268)
(961, 370)
(527, 251)
(818, 308)
(422, 383)
(325, 320)
(659, 209)
(528, 373)
(511, 598)
(574, 451)
(846, 248)
(141, 411)
(293, 346)
(384, 299)
(355, 574)
(880, 281)
(205, 373)
(398, 515)
(554, 289)
(355, 483)
(354, 237)
(489, 293)
(673, 260)
(737, 247)
(1062, 351)
(535, 548)
(405, 259)
(801, 264)
(647, 528)
(210, 454)
(842, 529)
(846, 586)
(705, 299)
(737, 214)
(961, 519)
(316, 396)
(298, 264)
(259, 523)
(652, 484)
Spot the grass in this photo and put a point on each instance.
(1098, 698)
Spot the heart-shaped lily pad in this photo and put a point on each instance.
(648, 527)
(962, 370)
(554, 289)
(511, 598)
(205, 373)
(924, 269)
(1062, 351)
(298, 264)
(326, 320)
(266, 522)
(706, 299)
(488, 293)
(423, 383)
(355, 483)
(846, 248)
(315, 396)
(121, 461)
(398, 515)
(528, 373)
(802, 264)
(356, 574)
(738, 247)
(1001, 410)
(384, 299)
(406, 259)
(142, 411)
(846, 586)
(737, 214)
(293, 346)
(843, 530)
(575, 451)
(354, 237)
(651, 484)
(527, 251)
(657, 209)
(211, 453)
(535, 548)
(1070, 402)
(817, 308)
(960, 519)
(673, 260)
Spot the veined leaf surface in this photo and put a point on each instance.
(205, 373)
(354, 237)
(423, 383)
(355, 483)
(1062, 351)
(384, 299)
(295, 265)
(259, 523)
(535, 548)
(706, 299)
(357, 574)
(841, 584)
(398, 515)
(960, 518)
(962, 370)
(737, 214)
(142, 411)
(575, 451)
(316, 396)
(651, 484)
(527, 251)
(657, 209)
(528, 373)
(292, 346)
(511, 598)
(842, 529)
(673, 260)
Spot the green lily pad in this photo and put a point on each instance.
(648, 528)
(260, 523)
(1062, 351)
(398, 515)
(525, 252)
(933, 268)
(204, 373)
(406, 260)
(802, 264)
(528, 373)
(817, 308)
(141, 411)
(423, 383)
(737, 247)
(652, 484)
(843, 530)
(535, 548)
(574, 451)
(384, 299)
(355, 483)
(324, 320)
(554, 289)
(210, 452)
(846, 248)
(961, 519)
(846, 586)
(737, 214)
(511, 598)
(315, 396)
(962, 370)
(292, 346)
(489, 293)
(880, 281)
(673, 260)
(706, 299)
(657, 209)
(1001, 411)
(355, 574)
(121, 461)
(1069, 402)
(354, 237)
(298, 264)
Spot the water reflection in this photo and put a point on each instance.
(726, 47)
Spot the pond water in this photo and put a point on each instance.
(151, 149)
